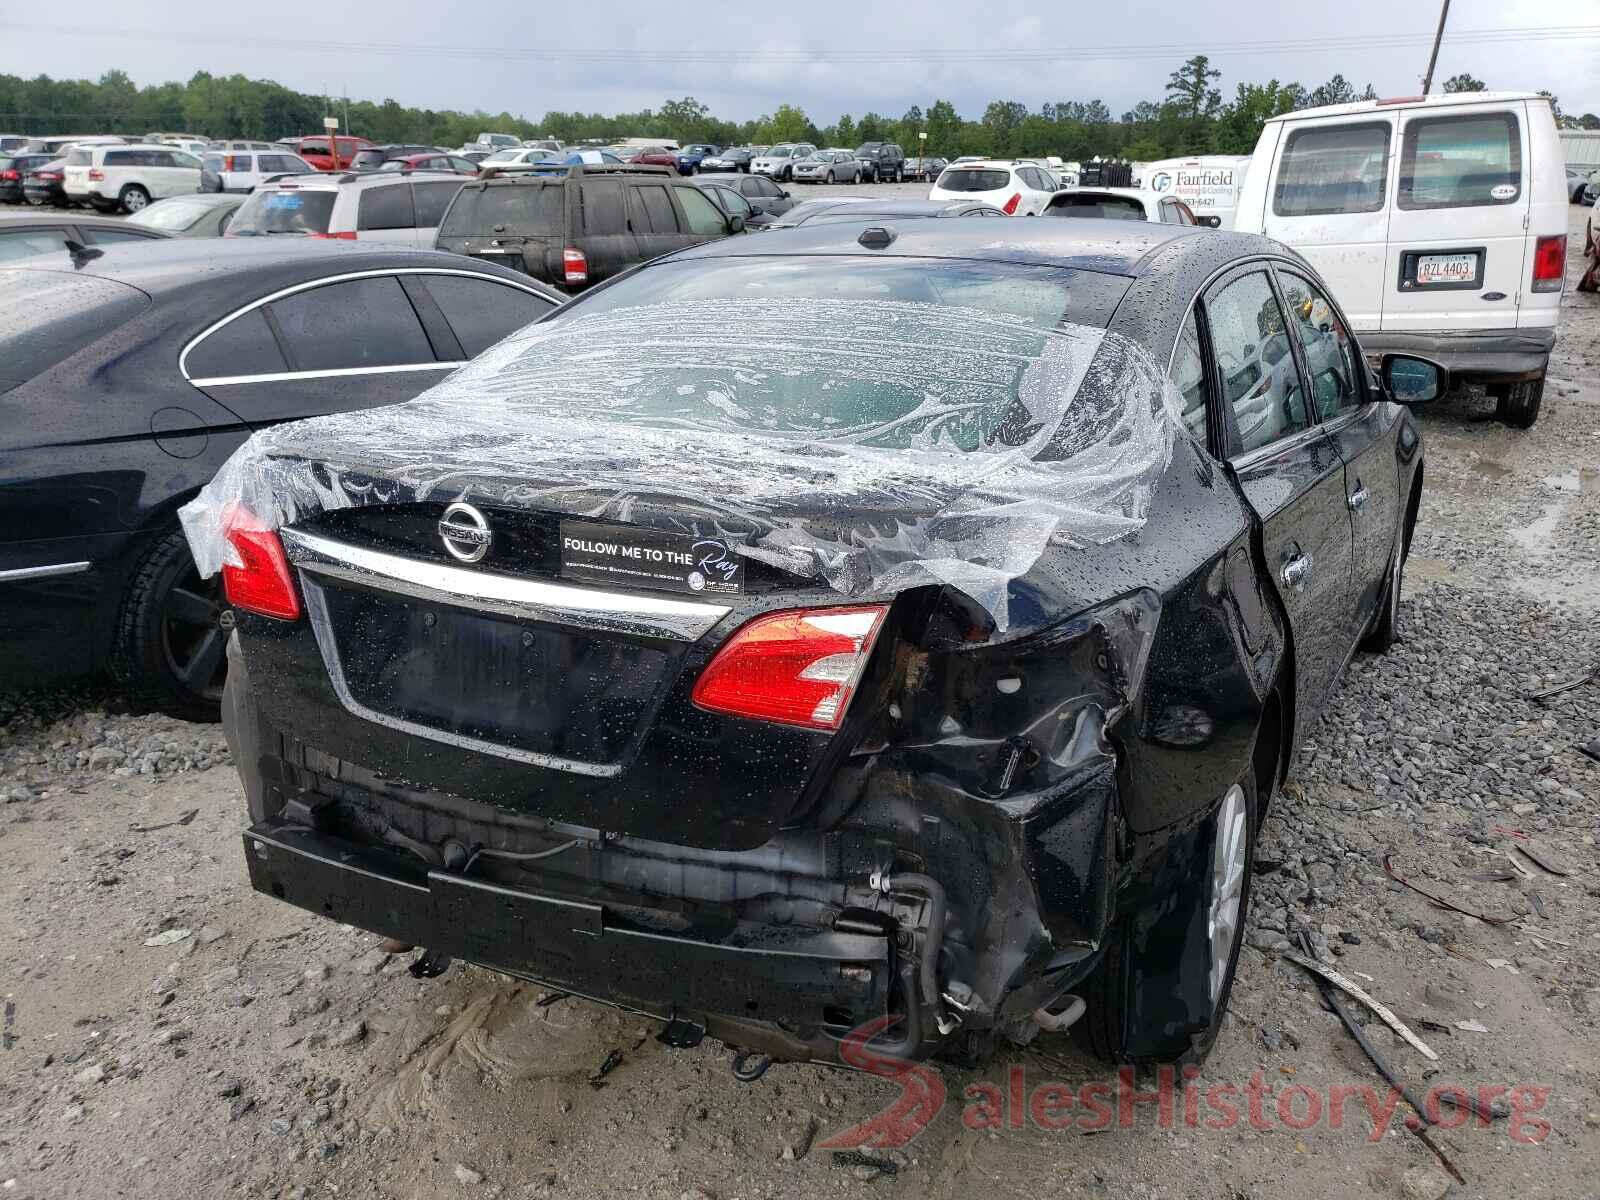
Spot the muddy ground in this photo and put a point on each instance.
(169, 1033)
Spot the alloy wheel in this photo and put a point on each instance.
(1228, 866)
(193, 638)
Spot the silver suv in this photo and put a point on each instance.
(400, 207)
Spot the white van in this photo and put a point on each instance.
(1440, 222)
(1209, 184)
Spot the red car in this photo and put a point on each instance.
(314, 149)
(650, 156)
(432, 162)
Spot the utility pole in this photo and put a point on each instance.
(1427, 80)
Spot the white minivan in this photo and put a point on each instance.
(1440, 222)
(128, 177)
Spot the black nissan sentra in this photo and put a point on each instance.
(898, 630)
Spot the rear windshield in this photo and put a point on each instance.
(45, 317)
(79, 158)
(519, 209)
(965, 179)
(1461, 162)
(1332, 169)
(176, 213)
(1111, 208)
(369, 158)
(788, 336)
(282, 212)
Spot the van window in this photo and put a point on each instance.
(1460, 162)
(1332, 169)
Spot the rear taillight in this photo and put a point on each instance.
(1550, 263)
(796, 668)
(260, 580)
(10, 174)
(96, 175)
(574, 265)
(344, 235)
(1010, 206)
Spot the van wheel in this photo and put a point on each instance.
(1517, 404)
(1160, 992)
(171, 647)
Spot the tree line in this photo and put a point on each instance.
(1191, 117)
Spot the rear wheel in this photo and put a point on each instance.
(133, 198)
(1517, 404)
(1385, 630)
(171, 644)
(1160, 992)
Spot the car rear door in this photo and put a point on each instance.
(1289, 470)
(1362, 426)
(1458, 225)
(333, 347)
(1328, 198)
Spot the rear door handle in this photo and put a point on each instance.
(1296, 572)
(1358, 498)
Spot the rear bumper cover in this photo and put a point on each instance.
(1498, 354)
(750, 970)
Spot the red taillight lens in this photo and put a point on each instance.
(344, 235)
(96, 175)
(260, 582)
(796, 668)
(575, 265)
(10, 174)
(1010, 206)
(1550, 263)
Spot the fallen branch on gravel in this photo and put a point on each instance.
(1389, 870)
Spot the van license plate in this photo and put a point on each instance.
(1447, 268)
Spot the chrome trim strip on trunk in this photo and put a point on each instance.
(530, 599)
(322, 628)
(44, 572)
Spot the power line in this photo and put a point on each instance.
(802, 56)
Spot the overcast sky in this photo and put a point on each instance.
(744, 59)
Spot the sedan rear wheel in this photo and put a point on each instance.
(1162, 987)
(173, 634)
(1386, 628)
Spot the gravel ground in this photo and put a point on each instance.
(167, 1032)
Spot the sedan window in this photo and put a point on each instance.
(1260, 379)
(244, 346)
(1336, 370)
(1189, 375)
(362, 323)
(482, 311)
(25, 242)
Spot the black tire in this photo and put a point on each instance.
(1133, 1011)
(1385, 631)
(133, 198)
(1517, 404)
(171, 648)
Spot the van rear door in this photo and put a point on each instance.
(1328, 199)
(1458, 224)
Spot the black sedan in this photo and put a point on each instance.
(23, 234)
(128, 375)
(45, 183)
(14, 169)
(907, 647)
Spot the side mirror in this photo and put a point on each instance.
(1411, 380)
(736, 223)
(756, 210)
(786, 195)
(1210, 222)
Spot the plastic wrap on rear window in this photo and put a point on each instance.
(878, 445)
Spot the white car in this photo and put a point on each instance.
(778, 162)
(1120, 204)
(380, 206)
(236, 171)
(1439, 222)
(128, 177)
(497, 141)
(520, 156)
(1016, 189)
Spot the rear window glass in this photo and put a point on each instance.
(175, 213)
(79, 158)
(369, 158)
(1111, 208)
(282, 212)
(523, 209)
(46, 317)
(966, 179)
(1460, 162)
(1334, 169)
(386, 208)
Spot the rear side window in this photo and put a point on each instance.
(519, 209)
(481, 311)
(20, 243)
(124, 158)
(659, 216)
(1333, 169)
(1189, 374)
(432, 200)
(244, 346)
(361, 323)
(46, 317)
(965, 179)
(387, 208)
(603, 212)
(1460, 162)
(1260, 378)
(106, 237)
(283, 212)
